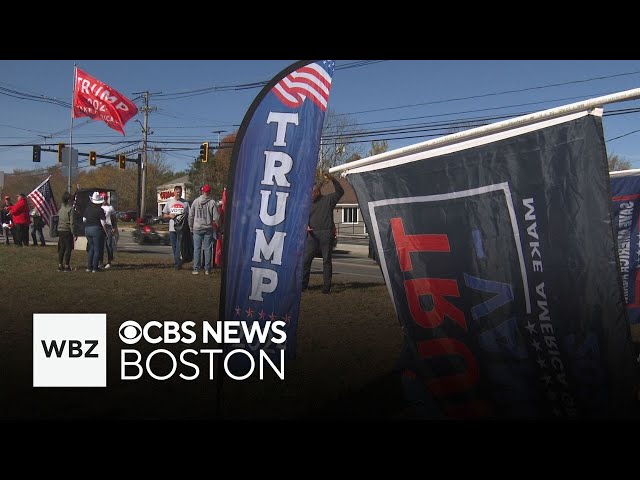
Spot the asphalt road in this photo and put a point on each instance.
(350, 258)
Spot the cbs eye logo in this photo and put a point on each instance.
(130, 332)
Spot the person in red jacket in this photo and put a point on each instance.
(20, 215)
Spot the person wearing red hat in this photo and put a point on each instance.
(203, 218)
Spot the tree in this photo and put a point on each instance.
(378, 147)
(337, 142)
(617, 163)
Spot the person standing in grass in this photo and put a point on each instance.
(320, 232)
(203, 218)
(111, 227)
(65, 237)
(37, 224)
(176, 211)
(20, 215)
(94, 220)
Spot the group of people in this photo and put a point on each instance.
(203, 220)
(101, 232)
(16, 219)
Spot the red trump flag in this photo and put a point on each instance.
(97, 100)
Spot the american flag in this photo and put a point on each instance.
(43, 201)
(313, 81)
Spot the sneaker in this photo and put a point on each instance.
(108, 265)
(60, 268)
(326, 291)
(207, 272)
(195, 272)
(88, 270)
(67, 268)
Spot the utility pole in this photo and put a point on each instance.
(145, 131)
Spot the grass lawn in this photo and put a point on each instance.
(348, 344)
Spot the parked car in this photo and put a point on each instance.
(146, 232)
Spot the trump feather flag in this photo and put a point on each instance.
(98, 101)
(267, 206)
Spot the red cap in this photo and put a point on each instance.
(206, 189)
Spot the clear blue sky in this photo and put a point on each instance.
(383, 95)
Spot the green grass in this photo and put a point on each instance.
(348, 343)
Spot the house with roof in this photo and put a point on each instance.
(346, 215)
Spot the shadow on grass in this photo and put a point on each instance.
(345, 286)
(144, 266)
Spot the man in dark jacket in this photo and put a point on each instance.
(320, 232)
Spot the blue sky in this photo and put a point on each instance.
(384, 95)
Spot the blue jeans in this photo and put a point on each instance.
(202, 239)
(95, 241)
(176, 243)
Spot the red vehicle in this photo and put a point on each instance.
(148, 232)
(129, 216)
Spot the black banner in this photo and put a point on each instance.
(500, 258)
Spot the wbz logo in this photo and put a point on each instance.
(74, 350)
(69, 350)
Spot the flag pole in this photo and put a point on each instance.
(73, 101)
(491, 128)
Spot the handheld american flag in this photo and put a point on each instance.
(43, 201)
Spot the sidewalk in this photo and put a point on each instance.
(353, 249)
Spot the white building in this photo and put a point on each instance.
(165, 192)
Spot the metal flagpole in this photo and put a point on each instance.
(73, 101)
(492, 128)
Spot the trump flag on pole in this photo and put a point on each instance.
(498, 253)
(98, 101)
(268, 200)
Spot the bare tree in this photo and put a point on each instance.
(337, 143)
(617, 163)
(378, 147)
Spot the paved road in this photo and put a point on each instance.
(350, 258)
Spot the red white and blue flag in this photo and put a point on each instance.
(43, 201)
(312, 81)
(268, 200)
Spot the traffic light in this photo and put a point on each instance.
(36, 153)
(60, 147)
(204, 152)
(92, 158)
(123, 161)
